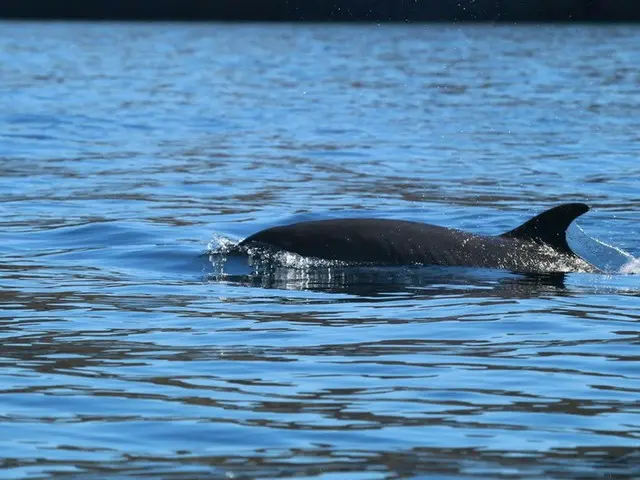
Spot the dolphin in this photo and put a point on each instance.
(537, 246)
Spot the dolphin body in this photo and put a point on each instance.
(537, 246)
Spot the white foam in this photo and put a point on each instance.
(221, 244)
(631, 267)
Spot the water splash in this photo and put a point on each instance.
(229, 259)
(631, 267)
(609, 258)
(221, 245)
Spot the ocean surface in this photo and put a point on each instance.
(130, 154)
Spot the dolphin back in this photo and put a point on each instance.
(370, 240)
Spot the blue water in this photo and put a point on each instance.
(127, 151)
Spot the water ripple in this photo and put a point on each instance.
(125, 149)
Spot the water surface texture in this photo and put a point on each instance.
(128, 151)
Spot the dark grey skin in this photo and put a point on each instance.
(538, 246)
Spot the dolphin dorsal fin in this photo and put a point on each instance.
(550, 227)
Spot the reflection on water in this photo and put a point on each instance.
(124, 149)
(415, 281)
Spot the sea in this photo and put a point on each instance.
(133, 154)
